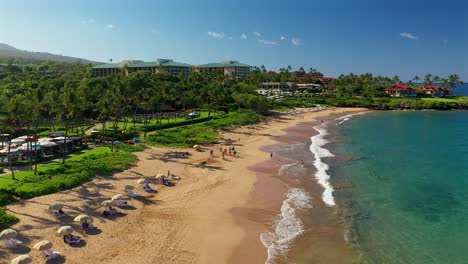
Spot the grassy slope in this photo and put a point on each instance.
(201, 133)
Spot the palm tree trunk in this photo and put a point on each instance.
(10, 165)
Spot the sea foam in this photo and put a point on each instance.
(346, 118)
(288, 226)
(316, 147)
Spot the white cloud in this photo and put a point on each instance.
(282, 37)
(216, 35)
(243, 36)
(88, 21)
(257, 34)
(111, 26)
(267, 42)
(296, 41)
(408, 35)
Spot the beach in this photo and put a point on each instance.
(216, 213)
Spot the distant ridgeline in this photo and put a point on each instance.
(12, 55)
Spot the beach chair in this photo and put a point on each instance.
(50, 254)
(89, 227)
(148, 189)
(175, 177)
(11, 243)
(121, 203)
(72, 240)
(132, 194)
(58, 215)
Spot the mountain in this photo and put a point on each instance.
(9, 52)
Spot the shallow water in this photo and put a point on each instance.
(409, 176)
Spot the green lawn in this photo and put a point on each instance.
(201, 133)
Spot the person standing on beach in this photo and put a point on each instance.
(211, 152)
(271, 155)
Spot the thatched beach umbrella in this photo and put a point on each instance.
(117, 197)
(107, 203)
(64, 230)
(142, 181)
(128, 187)
(23, 259)
(43, 245)
(56, 207)
(83, 218)
(160, 176)
(8, 234)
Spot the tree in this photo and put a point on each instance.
(428, 79)
(416, 79)
(453, 81)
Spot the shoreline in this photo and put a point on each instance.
(270, 190)
(206, 218)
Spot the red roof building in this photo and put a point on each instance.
(400, 89)
(326, 79)
(432, 90)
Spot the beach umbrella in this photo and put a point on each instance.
(128, 187)
(64, 230)
(160, 176)
(23, 259)
(56, 207)
(43, 245)
(117, 197)
(196, 146)
(141, 181)
(107, 203)
(82, 218)
(8, 234)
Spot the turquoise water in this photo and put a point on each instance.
(409, 175)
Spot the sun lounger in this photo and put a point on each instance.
(50, 254)
(89, 227)
(58, 215)
(121, 203)
(72, 240)
(147, 189)
(12, 243)
(175, 177)
(132, 194)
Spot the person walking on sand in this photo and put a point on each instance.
(168, 173)
(211, 152)
(271, 155)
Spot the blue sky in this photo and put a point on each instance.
(404, 38)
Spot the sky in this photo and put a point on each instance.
(398, 37)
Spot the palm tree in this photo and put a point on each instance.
(416, 79)
(453, 81)
(435, 79)
(289, 68)
(428, 79)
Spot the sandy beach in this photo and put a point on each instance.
(214, 214)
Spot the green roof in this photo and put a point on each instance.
(143, 64)
(224, 64)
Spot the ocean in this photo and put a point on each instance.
(405, 178)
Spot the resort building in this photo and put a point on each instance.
(280, 88)
(273, 88)
(234, 68)
(432, 90)
(399, 90)
(129, 66)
